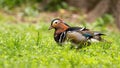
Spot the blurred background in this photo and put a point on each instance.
(26, 42)
(102, 12)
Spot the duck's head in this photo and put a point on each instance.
(58, 24)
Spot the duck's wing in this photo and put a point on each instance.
(96, 33)
(81, 30)
(77, 29)
(88, 34)
(91, 35)
(75, 34)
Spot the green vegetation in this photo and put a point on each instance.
(11, 4)
(52, 5)
(28, 45)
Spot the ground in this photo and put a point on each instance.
(25, 44)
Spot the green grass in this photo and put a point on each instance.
(24, 45)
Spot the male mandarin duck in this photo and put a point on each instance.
(76, 35)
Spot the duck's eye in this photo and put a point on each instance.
(56, 22)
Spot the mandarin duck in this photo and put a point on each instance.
(78, 36)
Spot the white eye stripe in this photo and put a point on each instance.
(56, 21)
